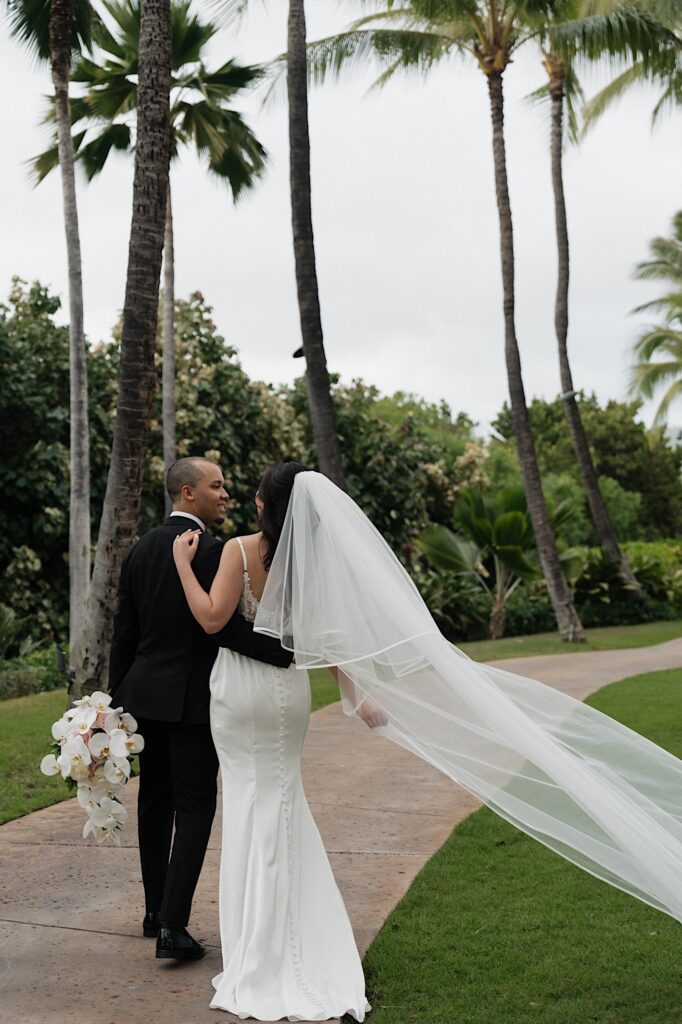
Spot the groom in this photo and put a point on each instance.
(160, 666)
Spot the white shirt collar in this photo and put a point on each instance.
(188, 515)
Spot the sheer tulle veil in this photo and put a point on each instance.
(594, 791)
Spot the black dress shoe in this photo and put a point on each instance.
(177, 944)
(150, 925)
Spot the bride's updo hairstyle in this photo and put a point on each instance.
(274, 491)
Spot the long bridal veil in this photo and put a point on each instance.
(594, 791)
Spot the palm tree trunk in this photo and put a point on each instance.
(61, 29)
(568, 623)
(138, 339)
(322, 415)
(168, 351)
(600, 515)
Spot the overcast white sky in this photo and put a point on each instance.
(405, 223)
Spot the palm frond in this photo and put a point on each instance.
(29, 21)
(95, 154)
(606, 97)
(672, 394)
(40, 166)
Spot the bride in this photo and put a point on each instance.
(287, 945)
(320, 578)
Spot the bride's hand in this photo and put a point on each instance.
(371, 714)
(185, 547)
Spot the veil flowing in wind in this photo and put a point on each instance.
(590, 789)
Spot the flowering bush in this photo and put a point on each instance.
(93, 749)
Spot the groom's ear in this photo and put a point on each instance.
(187, 492)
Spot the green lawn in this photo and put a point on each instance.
(498, 930)
(602, 639)
(24, 739)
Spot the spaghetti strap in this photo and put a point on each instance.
(239, 541)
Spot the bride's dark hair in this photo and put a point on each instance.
(274, 490)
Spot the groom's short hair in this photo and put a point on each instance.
(185, 471)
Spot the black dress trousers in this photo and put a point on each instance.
(178, 785)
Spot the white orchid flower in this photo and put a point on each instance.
(103, 788)
(49, 766)
(122, 745)
(62, 729)
(98, 745)
(74, 759)
(117, 770)
(78, 706)
(128, 722)
(114, 720)
(84, 719)
(100, 701)
(85, 796)
(108, 816)
(116, 813)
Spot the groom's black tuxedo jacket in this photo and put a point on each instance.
(161, 659)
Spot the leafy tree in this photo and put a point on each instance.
(399, 473)
(642, 463)
(34, 435)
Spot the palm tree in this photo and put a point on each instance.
(650, 374)
(322, 415)
(417, 36)
(137, 374)
(201, 116)
(54, 30)
(612, 34)
(321, 407)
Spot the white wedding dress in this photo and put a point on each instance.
(287, 944)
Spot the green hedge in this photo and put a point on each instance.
(34, 673)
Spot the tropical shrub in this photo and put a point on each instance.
(33, 673)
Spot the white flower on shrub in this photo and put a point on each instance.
(122, 745)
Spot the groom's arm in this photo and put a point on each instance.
(237, 633)
(239, 636)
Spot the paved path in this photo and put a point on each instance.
(70, 944)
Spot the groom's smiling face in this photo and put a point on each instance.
(209, 495)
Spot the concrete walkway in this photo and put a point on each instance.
(71, 951)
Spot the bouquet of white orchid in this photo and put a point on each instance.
(93, 750)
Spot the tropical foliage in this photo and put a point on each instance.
(659, 349)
